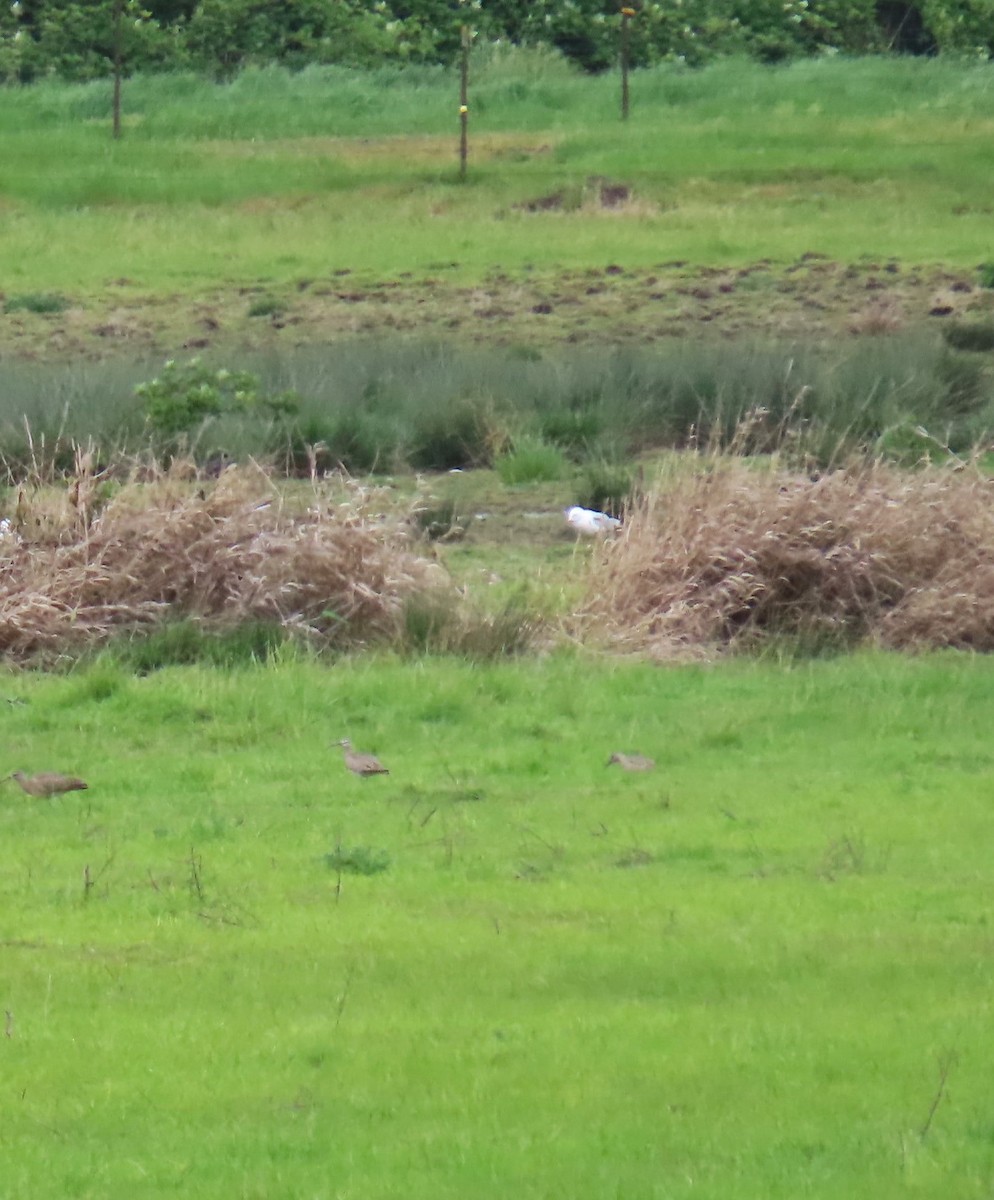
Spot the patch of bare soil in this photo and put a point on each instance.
(812, 297)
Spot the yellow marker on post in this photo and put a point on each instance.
(467, 38)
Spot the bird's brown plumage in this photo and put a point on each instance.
(631, 762)
(361, 764)
(48, 783)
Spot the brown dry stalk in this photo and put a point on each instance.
(905, 558)
(169, 545)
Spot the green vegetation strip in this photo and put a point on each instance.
(762, 969)
(282, 178)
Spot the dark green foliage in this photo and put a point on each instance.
(362, 441)
(225, 35)
(437, 520)
(531, 461)
(75, 38)
(183, 643)
(606, 487)
(574, 429)
(975, 335)
(987, 274)
(187, 394)
(444, 439)
(36, 302)
(357, 860)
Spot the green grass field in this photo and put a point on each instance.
(762, 971)
(741, 975)
(279, 177)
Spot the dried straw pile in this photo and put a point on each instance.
(905, 559)
(168, 545)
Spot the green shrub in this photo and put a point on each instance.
(436, 623)
(575, 430)
(186, 394)
(363, 441)
(444, 439)
(532, 461)
(605, 486)
(975, 335)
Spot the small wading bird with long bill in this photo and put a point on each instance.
(631, 762)
(361, 764)
(47, 783)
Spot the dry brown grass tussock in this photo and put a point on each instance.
(171, 544)
(870, 552)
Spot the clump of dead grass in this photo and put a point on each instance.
(80, 563)
(868, 552)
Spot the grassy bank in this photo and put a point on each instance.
(752, 972)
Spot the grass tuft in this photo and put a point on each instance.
(36, 302)
(532, 461)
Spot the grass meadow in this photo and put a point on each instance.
(280, 176)
(761, 971)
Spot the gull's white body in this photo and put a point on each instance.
(590, 522)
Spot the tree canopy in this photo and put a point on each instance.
(74, 39)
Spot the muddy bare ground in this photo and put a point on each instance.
(813, 297)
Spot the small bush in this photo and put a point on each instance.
(37, 302)
(532, 461)
(363, 442)
(446, 438)
(188, 394)
(976, 336)
(573, 430)
(429, 620)
(606, 487)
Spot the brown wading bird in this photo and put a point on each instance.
(361, 764)
(632, 762)
(48, 783)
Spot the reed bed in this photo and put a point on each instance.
(732, 555)
(77, 566)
